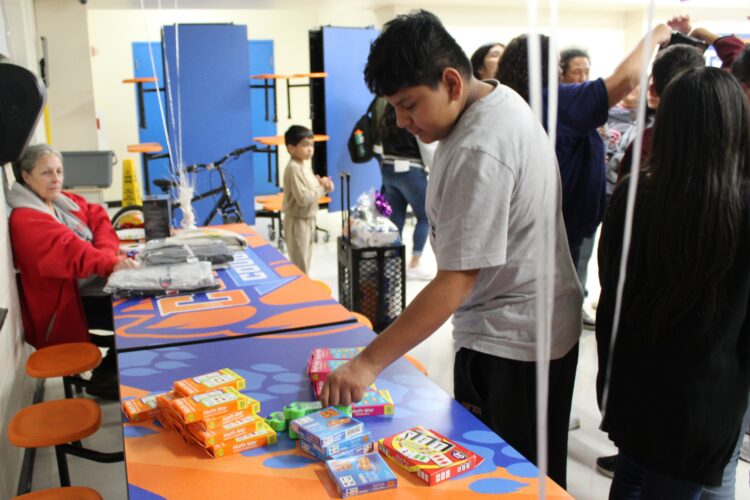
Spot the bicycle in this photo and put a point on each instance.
(228, 207)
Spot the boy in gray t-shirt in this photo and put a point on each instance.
(494, 169)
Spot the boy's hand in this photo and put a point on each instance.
(347, 383)
(330, 187)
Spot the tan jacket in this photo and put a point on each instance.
(301, 190)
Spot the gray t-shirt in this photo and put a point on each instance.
(490, 177)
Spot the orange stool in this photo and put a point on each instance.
(69, 493)
(362, 319)
(66, 361)
(324, 286)
(62, 424)
(417, 364)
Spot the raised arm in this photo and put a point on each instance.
(627, 74)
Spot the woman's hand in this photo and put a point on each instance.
(126, 263)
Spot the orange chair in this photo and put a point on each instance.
(362, 319)
(69, 493)
(66, 361)
(417, 364)
(324, 286)
(63, 424)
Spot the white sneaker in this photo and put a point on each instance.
(419, 273)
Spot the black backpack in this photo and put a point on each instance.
(362, 136)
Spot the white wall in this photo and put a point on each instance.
(16, 388)
(70, 97)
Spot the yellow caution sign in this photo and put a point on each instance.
(131, 191)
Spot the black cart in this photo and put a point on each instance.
(372, 280)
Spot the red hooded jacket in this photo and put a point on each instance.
(51, 258)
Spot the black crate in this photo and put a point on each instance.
(372, 280)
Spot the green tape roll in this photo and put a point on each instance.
(346, 410)
(276, 421)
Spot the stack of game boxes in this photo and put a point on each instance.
(334, 436)
(208, 410)
(324, 360)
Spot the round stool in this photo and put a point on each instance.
(323, 286)
(56, 423)
(362, 319)
(66, 361)
(70, 493)
(417, 364)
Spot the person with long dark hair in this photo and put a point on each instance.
(680, 368)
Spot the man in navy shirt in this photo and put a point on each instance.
(582, 108)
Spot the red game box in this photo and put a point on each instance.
(433, 457)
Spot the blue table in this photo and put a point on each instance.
(261, 292)
(160, 465)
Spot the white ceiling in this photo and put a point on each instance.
(614, 5)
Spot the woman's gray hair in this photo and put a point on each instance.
(28, 160)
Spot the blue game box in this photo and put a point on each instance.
(326, 427)
(361, 474)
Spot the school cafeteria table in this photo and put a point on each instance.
(161, 465)
(261, 292)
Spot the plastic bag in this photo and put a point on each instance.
(369, 225)
(161, 280)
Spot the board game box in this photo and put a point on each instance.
(313, 451)
(211, 404)
(361, 474)
(326, 427)
(139, 409)
(209, 382)
(432, 456)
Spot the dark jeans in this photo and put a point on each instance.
(407, 188)
(632, 481)
(502, 393)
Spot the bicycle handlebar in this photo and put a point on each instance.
(233, 154)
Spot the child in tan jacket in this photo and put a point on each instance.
(302, 189)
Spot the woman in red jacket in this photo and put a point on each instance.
(61, 244)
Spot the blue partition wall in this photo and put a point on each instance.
(260, 56)
(154, 130)
(210, 98)
(345, 52)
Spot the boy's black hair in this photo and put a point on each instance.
(477, 58)
(513, 69)
(672, 61)
(741, 66)
(413, 49)
(296, 133)
(568, 55)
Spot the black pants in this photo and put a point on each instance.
(502, 393)
(99, 316)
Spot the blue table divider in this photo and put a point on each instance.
(210, 99)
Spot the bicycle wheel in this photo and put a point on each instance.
(128, 218)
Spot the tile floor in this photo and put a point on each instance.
(585, 444)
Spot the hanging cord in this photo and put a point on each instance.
(544, 230)
(630, 204)
(157, 84)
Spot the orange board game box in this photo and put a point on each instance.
(433, 457)
(262, 436)
(139, 409)
(222, 433)
(209, 382)
(211, 404)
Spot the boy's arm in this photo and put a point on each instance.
(430, 309)
(299, 191)
(627, 73)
